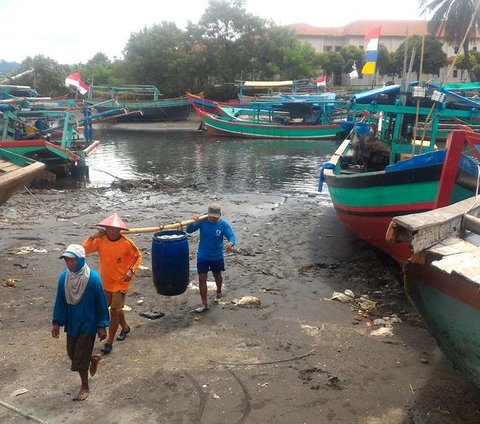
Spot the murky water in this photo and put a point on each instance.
(215, 164)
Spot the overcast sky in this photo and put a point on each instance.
(72, 32)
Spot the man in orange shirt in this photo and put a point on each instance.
(119, 258)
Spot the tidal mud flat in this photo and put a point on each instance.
(298, 357)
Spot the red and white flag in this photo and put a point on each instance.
(321, 81)
(74, 80)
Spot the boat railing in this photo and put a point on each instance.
(124, 91)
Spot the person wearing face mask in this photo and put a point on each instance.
(119, 258)
(81, 308)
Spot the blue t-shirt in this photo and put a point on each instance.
(210, 245)
(86, 316)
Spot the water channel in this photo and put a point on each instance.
(222, 165)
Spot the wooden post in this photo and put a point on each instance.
(454, 148)
(174, 226)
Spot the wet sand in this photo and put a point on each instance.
(297, 358)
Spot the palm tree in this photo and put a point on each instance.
(452, 18)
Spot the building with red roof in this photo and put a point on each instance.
(393, 34)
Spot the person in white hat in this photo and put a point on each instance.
(213, 231)
(119, 258)
(81, 308)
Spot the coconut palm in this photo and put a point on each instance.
(452, 19)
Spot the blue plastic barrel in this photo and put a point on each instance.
(362, 128)
(170, 262)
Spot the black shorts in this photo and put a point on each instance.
(79, 350)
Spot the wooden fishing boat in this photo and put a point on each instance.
(274, 91)
(280, 121)
(210, 106)
(15, 172)
(143, 103)
(386, 169)
(58, 138)
(442, 278)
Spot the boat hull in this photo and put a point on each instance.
(225, 128)
(367, 202)
(450, 306)
(156, 111)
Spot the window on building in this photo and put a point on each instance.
(455, 73)
(328, 48)
(474, 48)
(338, 48)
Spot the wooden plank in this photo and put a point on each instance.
(7, 166)
(423, 230)
(466, 264)
(20, 175)
(452, 246)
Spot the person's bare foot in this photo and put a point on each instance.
(94, 360)
(82, 394)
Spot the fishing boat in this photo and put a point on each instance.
(210, 106)
(15, 172)
(274, 91)
(388, 169)
(62, 139)
(442, 278)
(289, 120)
(143, 103)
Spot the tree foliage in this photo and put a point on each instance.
(452, 18)
(351, 55)
(227, 45)
(434, 57)
(473, 62)
(384, 61)
(49, 76)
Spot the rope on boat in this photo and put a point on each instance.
(40, 201)
(22, 413)
(105, 172)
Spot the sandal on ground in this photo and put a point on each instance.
(106, 349)
(218, 297)
(123, 335)
(201, 309)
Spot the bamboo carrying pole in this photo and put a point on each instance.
(163, 227)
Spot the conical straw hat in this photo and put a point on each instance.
(114, 221)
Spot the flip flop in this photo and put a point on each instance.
(123, 335)
(201, 309)
(106, 349)
(151, 315)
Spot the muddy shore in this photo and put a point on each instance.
(296, 358)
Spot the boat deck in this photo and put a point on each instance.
(7, 166)
(447, 237)
(13, 176)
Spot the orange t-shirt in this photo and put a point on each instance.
(115, 259)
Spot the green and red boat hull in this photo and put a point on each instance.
(225, 127)
(366, 202)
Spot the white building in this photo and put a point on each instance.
(392, 35)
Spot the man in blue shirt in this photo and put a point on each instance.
(210, 250)
(81, 307)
